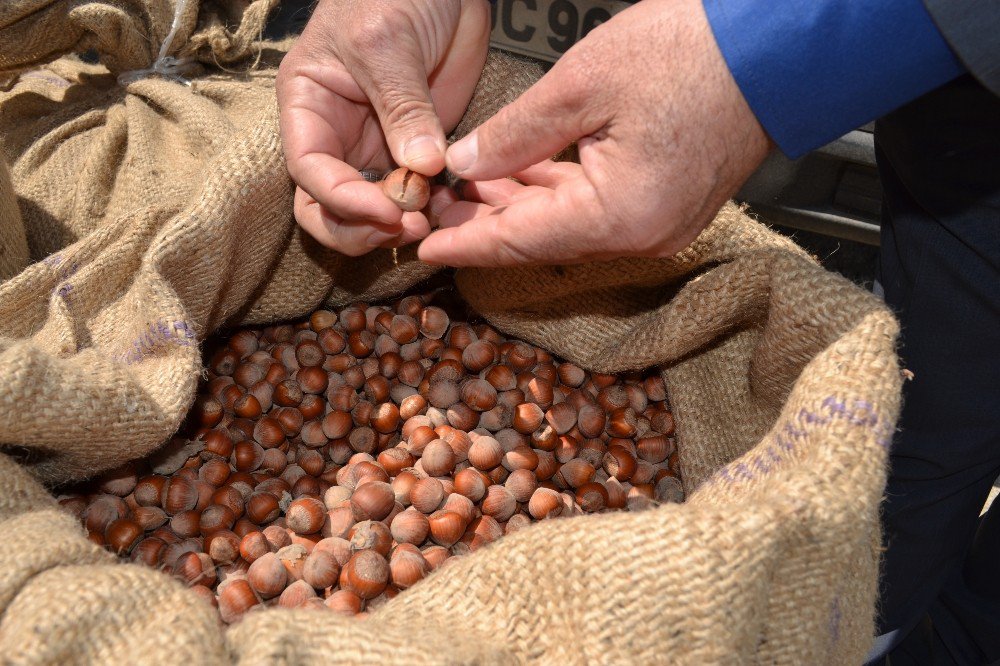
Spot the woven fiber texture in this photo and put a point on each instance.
(13, 243)
(140, 214)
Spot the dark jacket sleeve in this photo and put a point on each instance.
(972, 30)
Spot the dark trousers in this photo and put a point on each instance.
(939, 161)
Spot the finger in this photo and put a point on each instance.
(462, 212)
(454, 80)
(502, 192)
(389, 65)
(416, 227)
(536, 178)
(350, 238)
(312, 150)
(564, 105)
(542, 229)
(441, 198)
(548, 173)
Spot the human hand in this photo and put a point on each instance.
(370, 83)
(664, 135)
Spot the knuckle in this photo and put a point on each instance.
(403, 111)
(376, 31)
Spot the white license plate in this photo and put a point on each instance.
(545, 29)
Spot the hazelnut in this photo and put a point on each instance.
(435, 556)
(186, 524)
(290, 419)
(371, 535)
(296, 595)
(373, 500)
(479, 394)
(592, 497)
(438, 458)
(406, 567)
(479, 355)
(149, 490)
(267, 576)
(344, 602)
(235, 599)
(262, 508)
(408, 189)
(402, 486)
(485, 453)
(433, 322)
(521, 483)
(527, 418)
(337, 425)
(446, 527)
(306, 515)
(482, 531)
(321, 569)
(471, 483)
(149, 517)
(639, 497)
(149, 551)
(461, 505)
(366, 574)
(561, 417)
(395, 460)
(617, 494)
(410, 526)
(214, 518)
(195, 569)
(427, 494)
(119, 481)
(654, 449)
(309, 353)
(499, 503)
(223, 547)
(277, 538)
(619, 463)
(663, 423)
(180, 494)
(516, 523)
(122, 535)
(522, 357)
(293, 558)
(339, 548)
(669, 489)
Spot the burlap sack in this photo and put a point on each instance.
(156, 212)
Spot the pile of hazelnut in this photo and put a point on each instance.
(335, 462)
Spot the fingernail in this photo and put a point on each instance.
(463, 154)
(378, 237)
(420, 148)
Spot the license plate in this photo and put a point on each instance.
(545, 29)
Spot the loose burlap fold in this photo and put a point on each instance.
(150, 212)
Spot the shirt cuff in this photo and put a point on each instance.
(812, 70)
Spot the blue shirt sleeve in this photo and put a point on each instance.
(812, 70)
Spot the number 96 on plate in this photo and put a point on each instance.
(545, 29)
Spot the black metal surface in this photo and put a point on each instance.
(833, 191)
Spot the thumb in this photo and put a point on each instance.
(546, 118)
(397, 88)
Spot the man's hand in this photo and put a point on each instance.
(368, 84)
(665, 137)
